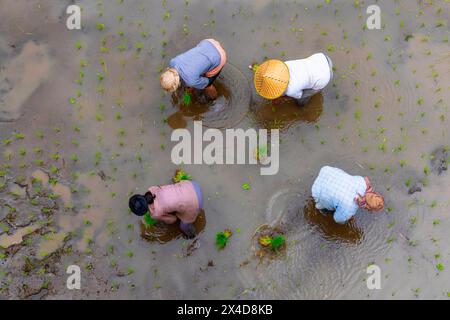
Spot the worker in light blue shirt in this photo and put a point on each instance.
(335, 190)
(196, 68)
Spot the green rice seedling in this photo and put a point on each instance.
(98, 157)
(148, 220)
(78, 45)
(121, 132)
(139, 46)
(40, 134)
(99, 117)
(222, 239)
(185, 30)
(382, 147)
(277, 242)
(166, 16)
(186, 99)
(19, 136)
(246, 186)
(39, 162)
(181, 175)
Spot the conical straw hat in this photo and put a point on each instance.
(271, 79)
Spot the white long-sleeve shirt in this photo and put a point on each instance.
(313, 72)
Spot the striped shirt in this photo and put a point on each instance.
(334, 189)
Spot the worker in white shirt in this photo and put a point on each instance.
(299, 79)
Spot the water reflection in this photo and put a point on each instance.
(164, 233)
(329, 229)
(284, 112)
(200, 107)
(227, 111)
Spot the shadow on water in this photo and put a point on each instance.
(285, 112)
(199, 108)
(164, 233)
(329, 229)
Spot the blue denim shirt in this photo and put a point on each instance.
(334, 189)
(193, 64)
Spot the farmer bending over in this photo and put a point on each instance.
(182, 200)
(197, 68)
(300, 79)
(335, 190)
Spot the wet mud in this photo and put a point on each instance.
(227, 111)
(84, 125)
(164, 233)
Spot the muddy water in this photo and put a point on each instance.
(93, 110)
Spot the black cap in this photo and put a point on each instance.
(138, 205)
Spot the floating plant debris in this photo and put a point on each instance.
(268, 242)
(222, 239)
(181, 175)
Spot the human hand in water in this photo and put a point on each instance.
(190, 90)
(188, 229)
(211, 92)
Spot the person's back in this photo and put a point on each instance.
(334, 189)
(193, 64)
(181, 199)
(312, 73)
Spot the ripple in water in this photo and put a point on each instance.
(164, 233)
(285, 112)
(226, 111)
(323, 259)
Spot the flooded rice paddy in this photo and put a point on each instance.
(84, 124)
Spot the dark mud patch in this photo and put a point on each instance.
(439, 160)
(198, 107)
(227, 111)
(285, 112)
(164, 233)
(324, 223)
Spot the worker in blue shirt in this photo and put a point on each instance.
(196, 68)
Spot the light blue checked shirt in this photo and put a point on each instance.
(334, 189)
